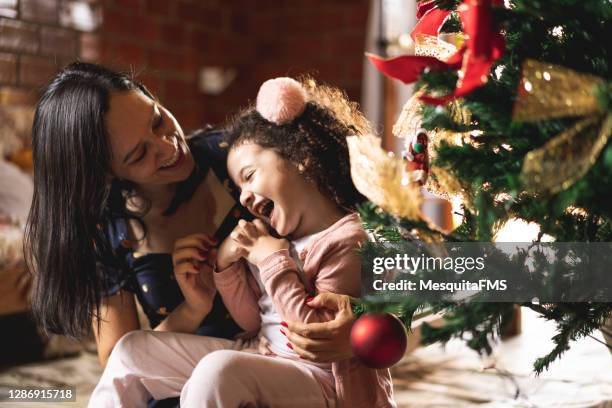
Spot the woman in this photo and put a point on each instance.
(116, 185)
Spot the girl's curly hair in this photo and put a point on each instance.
(315, 141)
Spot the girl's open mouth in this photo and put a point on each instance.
(267, 209)
(263, 209)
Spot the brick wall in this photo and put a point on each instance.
(168, 42)
(36, 38)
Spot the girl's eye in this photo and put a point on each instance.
(249, 175)
(142, 155)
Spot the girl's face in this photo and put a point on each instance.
(147, 144)
(272, 189)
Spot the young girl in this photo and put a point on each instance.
(290, 159)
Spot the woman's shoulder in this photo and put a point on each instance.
(208, 146)
(209, 150)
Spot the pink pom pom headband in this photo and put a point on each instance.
(281, 100)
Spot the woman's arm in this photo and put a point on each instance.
(118, 316)
(328, 341)
(183, 319)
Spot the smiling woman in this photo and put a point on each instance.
(147, 144)
(117, 183)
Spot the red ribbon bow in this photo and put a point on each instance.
(483, 47)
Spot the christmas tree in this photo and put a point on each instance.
(515, 97)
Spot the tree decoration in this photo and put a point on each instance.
(417, 157)
(440, 49)
(549, 91)
(380, 177)
(483, 46)
(423, 7)
(496, 158)
(378, 339)
(406, 68)
(430, 22)
(410, 122)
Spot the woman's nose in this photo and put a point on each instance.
(246, 198)
(165, 146)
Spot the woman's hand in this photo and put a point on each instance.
(192, 259)
(256, 241)
(324, 342)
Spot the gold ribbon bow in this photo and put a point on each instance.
(380, 177)
(549, 91)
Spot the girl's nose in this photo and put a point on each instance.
(246, 198)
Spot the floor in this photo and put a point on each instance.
(432, 376)
(454, 376)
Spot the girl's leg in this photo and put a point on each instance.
(147, 364)
(229, 378)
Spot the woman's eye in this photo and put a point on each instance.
(249, 175)
(158, 121)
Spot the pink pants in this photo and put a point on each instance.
(206, 372)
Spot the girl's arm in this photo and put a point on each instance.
(238, 290)
(339, 271)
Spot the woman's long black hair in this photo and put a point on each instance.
(73, 196)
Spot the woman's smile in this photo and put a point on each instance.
(177, 157)
(147, 143)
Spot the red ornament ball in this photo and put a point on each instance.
(378, 339)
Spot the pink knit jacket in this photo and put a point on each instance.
(331, 264)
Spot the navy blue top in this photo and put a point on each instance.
(150, 276)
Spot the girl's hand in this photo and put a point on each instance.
(324, 342)
(192, 259)
(229, 252)
(255, 240)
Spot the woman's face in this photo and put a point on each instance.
(147, 144)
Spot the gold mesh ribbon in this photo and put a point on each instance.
(566, 158)
(549, 91)
(380, 177)
(431, 46)
(546, 92)
(410, 119)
